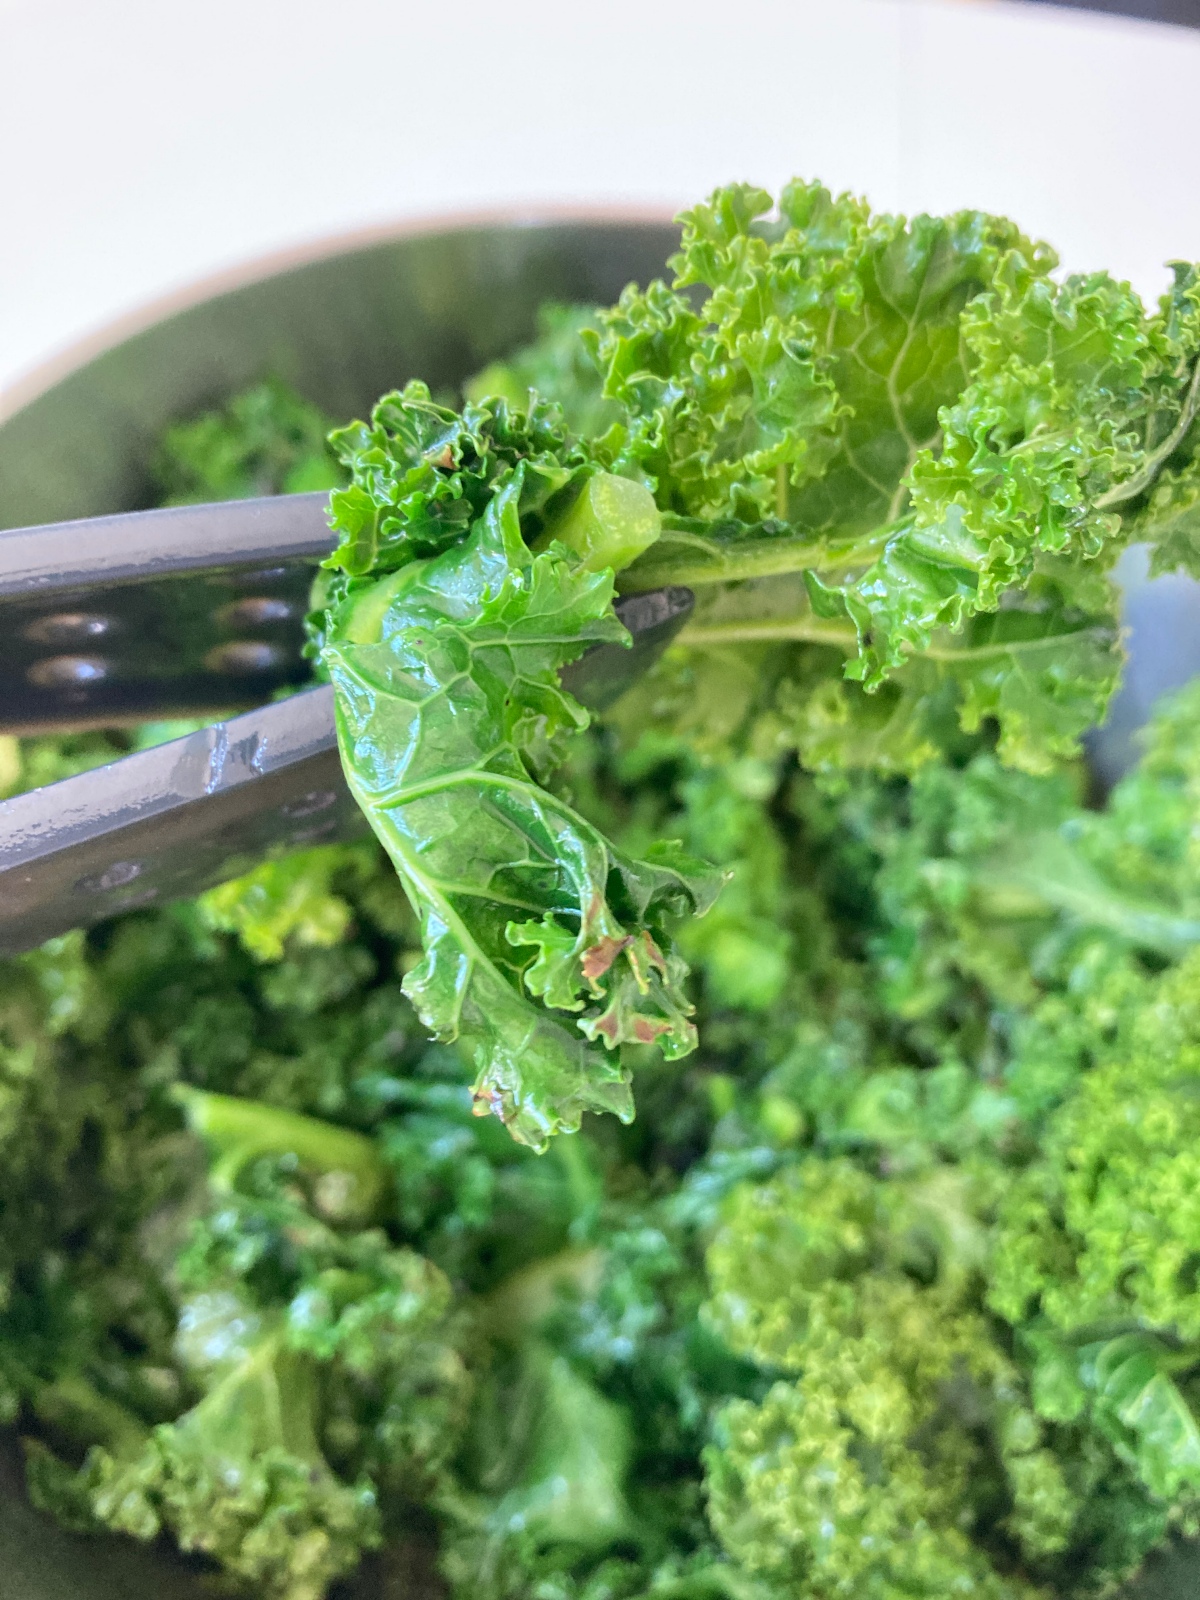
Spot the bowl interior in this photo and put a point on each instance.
(342, 330)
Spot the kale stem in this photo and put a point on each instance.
(72, 1406)
(239, 1131)
(799, 630)
(693, 561)
(807, 629)
(1121, 493)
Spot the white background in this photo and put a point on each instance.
(148, 144)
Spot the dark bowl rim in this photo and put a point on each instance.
(36, 381)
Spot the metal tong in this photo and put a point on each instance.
(186, 612)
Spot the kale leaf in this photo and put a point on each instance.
(267, 440)
(946, 444)
(546, 948)
(858, 1469)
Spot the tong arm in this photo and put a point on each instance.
(137, 546)
(171, 821)
(184, 611)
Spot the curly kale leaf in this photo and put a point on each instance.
(545, 947)
(1145, 838)
(1171, 520)
(899, 446)
(377, 1321)
(932, 431)
(87, 1156)
(807, 389)
(744, 946)
(1038, 670)
(267, 440)
(1014, 931)
(293, 900)
(547, 1456)
(242, 1478)
(422, 473)
(1074, 401)
(1009, 881)
(551, 1454)
(243, 1474)
(1093, 1257)
(803, 387)
(579, 1472)
(558, 366)
(324, 1360)
(1140, 1407)
(1125, 1388)
(898, 1423)
(1100, 1231)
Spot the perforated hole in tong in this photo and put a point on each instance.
(67, 672)
(114, 877)
(255, 611)
(67, 627)
(245, 656)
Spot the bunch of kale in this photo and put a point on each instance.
(893, 1286)
(896, 461)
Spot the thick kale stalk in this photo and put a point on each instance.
(546, 948)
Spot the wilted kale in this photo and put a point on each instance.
(897, 462)
(267, 440)
(897, 1425)
(891, 1286)
(302, 1340)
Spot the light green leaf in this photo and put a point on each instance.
(1133, 1390)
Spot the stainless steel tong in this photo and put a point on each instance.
(187, 612)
